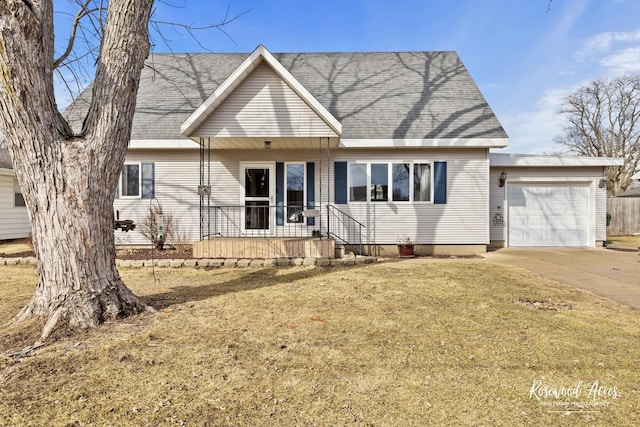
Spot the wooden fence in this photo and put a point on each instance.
(625, 215)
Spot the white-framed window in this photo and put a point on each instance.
(422, 182)
(130, 182)
(137, 181)
(391, 182)
(358, 182)
(401, 182)
(18, 198)
(379, 182)
(295, 184)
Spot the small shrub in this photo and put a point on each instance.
(149, 228)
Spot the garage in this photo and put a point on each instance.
(549, 214)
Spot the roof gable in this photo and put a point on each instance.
(239, 76)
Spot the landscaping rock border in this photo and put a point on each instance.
(220, 262)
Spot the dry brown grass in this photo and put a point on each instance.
(624, 241)
(15, 246)
(418, 342)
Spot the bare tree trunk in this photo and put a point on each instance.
(68, 181)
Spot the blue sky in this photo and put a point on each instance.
(523, 57)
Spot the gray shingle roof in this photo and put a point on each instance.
(387, 95)
(5, 159)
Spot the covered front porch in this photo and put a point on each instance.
(253, 231)
(272, 140)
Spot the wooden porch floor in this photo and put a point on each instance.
(271, 247)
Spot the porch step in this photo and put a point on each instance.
(275, 247)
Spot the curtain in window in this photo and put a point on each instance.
(421, 182)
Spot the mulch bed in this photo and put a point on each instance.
(148, 253)
(130, 253)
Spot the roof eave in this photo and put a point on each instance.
(532, 160)
(425, 143)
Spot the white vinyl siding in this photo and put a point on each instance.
(177, 175)
(14, 220)
(264, 106)
(462, 220)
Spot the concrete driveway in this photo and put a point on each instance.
(609, 273)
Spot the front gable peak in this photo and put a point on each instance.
(262, 59)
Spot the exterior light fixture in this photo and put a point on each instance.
(267, 145)
(602, 183)
(503, 179)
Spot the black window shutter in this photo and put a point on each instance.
(148, 180)
(340, 183)
(311, 191)
(439, 182)
(279, 193)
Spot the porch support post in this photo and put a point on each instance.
(204, 189)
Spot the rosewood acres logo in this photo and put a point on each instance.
(580, 397)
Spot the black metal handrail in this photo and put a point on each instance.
(260, 221)
(342, 226)
(283, 221)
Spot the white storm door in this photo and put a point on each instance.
(258, 195)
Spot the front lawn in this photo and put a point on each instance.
(624, 241)
(398, 343)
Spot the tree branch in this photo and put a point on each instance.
(72, 37)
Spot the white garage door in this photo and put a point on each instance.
(548, 214)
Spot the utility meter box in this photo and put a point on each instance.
(204, 190)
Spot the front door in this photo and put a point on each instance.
(258, 180)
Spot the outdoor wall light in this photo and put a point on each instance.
(602, 183)
(267, 145)
(503, 179)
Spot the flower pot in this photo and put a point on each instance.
(405, 251)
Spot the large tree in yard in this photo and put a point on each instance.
(603, 120)
(69, 179)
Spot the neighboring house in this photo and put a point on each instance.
(633, 190)
(14, 219)
(361, 147)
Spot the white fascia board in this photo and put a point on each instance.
(9, 172)
(532, 160)
(433, 142)
(237, 77)
(163, 143)
(550, 180)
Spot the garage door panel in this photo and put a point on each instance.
(536, 222)
(548, 214)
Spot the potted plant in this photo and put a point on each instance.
(405, 247)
